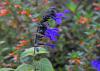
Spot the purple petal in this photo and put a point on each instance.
(66, 11)
(58, 20)
(95, 64)
(51, 34)
(60, 15)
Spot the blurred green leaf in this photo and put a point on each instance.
(90, 31)
(51, 23)
(25, 67)
(75, 54)
(34, 51)
(89, 14)
(72, 6)
(6, 69)
(2, 42)
(43, 65)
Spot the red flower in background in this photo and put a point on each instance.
(6, 2)
(17, 6)
(45, 1)
(16, 57)
(97, 8)
(23, 12)
(18, 47)
(4, 12)
(75, 1)
(98, 45)
(24, 42)
(12, 54)
(83, 20)
(35, 19)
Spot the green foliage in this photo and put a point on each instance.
(38, 65)
(25, 67)
(34, 51)
(6, 69)
(72, 6)
(46, 65)
(78, 38)
(75, 55)
(43, 65)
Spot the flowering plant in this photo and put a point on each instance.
(36, 33)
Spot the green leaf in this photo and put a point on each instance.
(78, 14)
(75, 55)
(25, 67)
(2, 42)
(72, 6)
(43, 65)
(52, 23)
(89, 14)
(90, 31)
(46, 65)
(6, 69)
(34, 51)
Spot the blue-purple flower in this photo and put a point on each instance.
(52, 33)
(66, 11)
(58, 18)
(60, 15)
(96, 64)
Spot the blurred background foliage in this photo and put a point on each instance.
(79, 40)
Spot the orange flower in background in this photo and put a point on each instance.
(23, 12)
(12, 54)
(18, 48)
(76, 60)
(81, 43)
(75, 1)
(17, 6)
(35, 20)
(83, 20)
(6, 2)
(4, 12)
(24, 42)
(45, 1)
